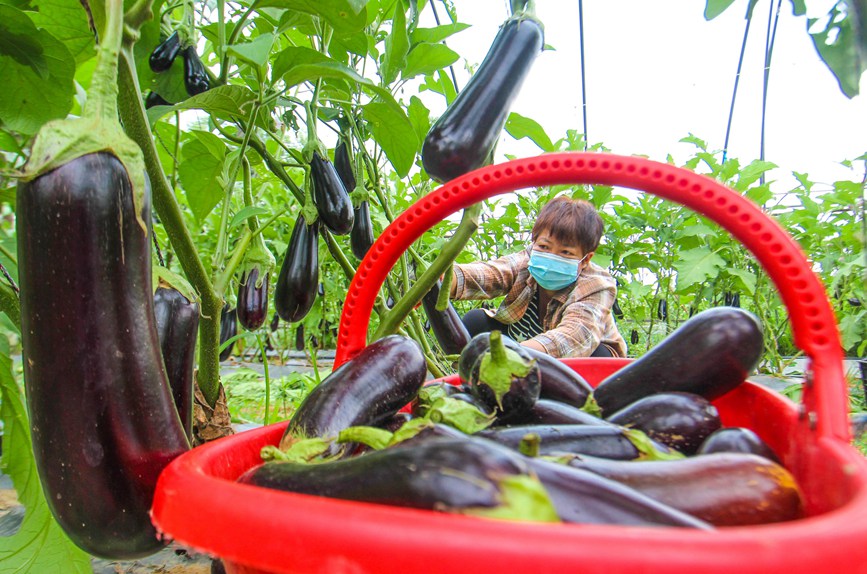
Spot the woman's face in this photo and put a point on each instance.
(545, 243)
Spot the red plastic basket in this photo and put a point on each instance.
(259, 530)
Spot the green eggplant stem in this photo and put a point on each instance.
(443, 296)
(101, 100)
(498, 349)
(136, 125)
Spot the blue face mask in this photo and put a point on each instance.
(553, 272)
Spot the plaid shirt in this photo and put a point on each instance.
(578, 318)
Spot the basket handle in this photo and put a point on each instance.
(825, 403)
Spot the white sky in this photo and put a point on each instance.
(657, 71)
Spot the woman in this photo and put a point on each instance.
(557, 301)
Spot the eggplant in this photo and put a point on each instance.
(343, 165)
(505, 377)
(297, 282)
(709, 355)
(252, 306)
(154, 99)
(448, 329)
(177, 321)
(395, 421)
(471, 353)
(738, 439)
(633, 337)
(300, 345)
(228, 329)
(196, 78)
(103, 421)
(616, 310)
(163, 56)
(724, 489)
(430, 392)
(361, 237)
(559, 382)
(331, 198)
(473, 400)
(463, 138)
(365, 390)
(549, 412)
(592, 440)
(679, 420)
(443, 474)
(585, 497)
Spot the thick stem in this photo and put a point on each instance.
(137, 127)
(102, 95)
(466, 228)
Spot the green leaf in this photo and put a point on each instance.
(66, 21)
(852, 329)
(714, 8)
(224, 101)
(39, 545)
(426, 59)
(394, 133)
(37, 71)
(396, 46)
(345, 16)
(753, 172)
(200, 170)
(419, 117)
(837, 44)
(437, 34)
(744, 278)
(696, 266)
(296, 56)
(459, 414)
(255, 53)
(246, 213)
(519, 127)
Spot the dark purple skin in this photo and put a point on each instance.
(438, 474)
(330, 196)
(523, 390)
(343, 165)
(298, 280)
(583, 497)
(252, 301)
(470, 354)
(473, 400)
(559, 382)
(371, 387)
(601, 441)
(177, 321)
(103, 421)
(196, 78)
(548, 412)
(448, 329)
(463, 138)
(709, 355)
(395, 421)
(361, 237)
(164, 54)
(738, 439)
(679, 420)
(228, 329)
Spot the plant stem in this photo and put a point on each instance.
(452, 248)
(137, 127)
(9, 304)
(102, 96)
(267, 380)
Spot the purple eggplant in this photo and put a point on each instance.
(252, 300)
(737, 439)
(298, 280)
(559, 382)
(505, 377)
(679, 420)
(228, 329)
(448, 329)
(548, 412)
(331, 197)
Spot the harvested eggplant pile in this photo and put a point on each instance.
(523, 437)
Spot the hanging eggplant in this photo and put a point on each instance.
(196, 78)
(296, 286)
(330, 196)
(163, 56)
(463, 138)
(256, 270)
(448, 329)
(228, 329)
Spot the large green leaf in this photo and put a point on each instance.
(37, 71)
(837, 44)
(345, 16)
(66, 20)
(255, 53)
(519, 127)
(696, 266)
(39, 545)
(393, 131)
(419, 117)
(437, 34)
(202, 161)
(744, 278)
(427, 59)
(296, 56)
(396, 46)
(224, 101)
(714, 8)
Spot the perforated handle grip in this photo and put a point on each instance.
(813, 322)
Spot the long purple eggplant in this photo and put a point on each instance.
(548, 412)
(602, 441)
(103, 421)
(559, 382)
(680, 420)
(366, 390)
(177, 321)
(448, 329)
(252, 300)
(298, 280)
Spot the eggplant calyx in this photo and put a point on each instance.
(307, 450)
(648, 449)
(375, 438)
(591, 407)
(500, 366)
(459, 414)
(258, 257)
(522, 498)
(529, 445)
